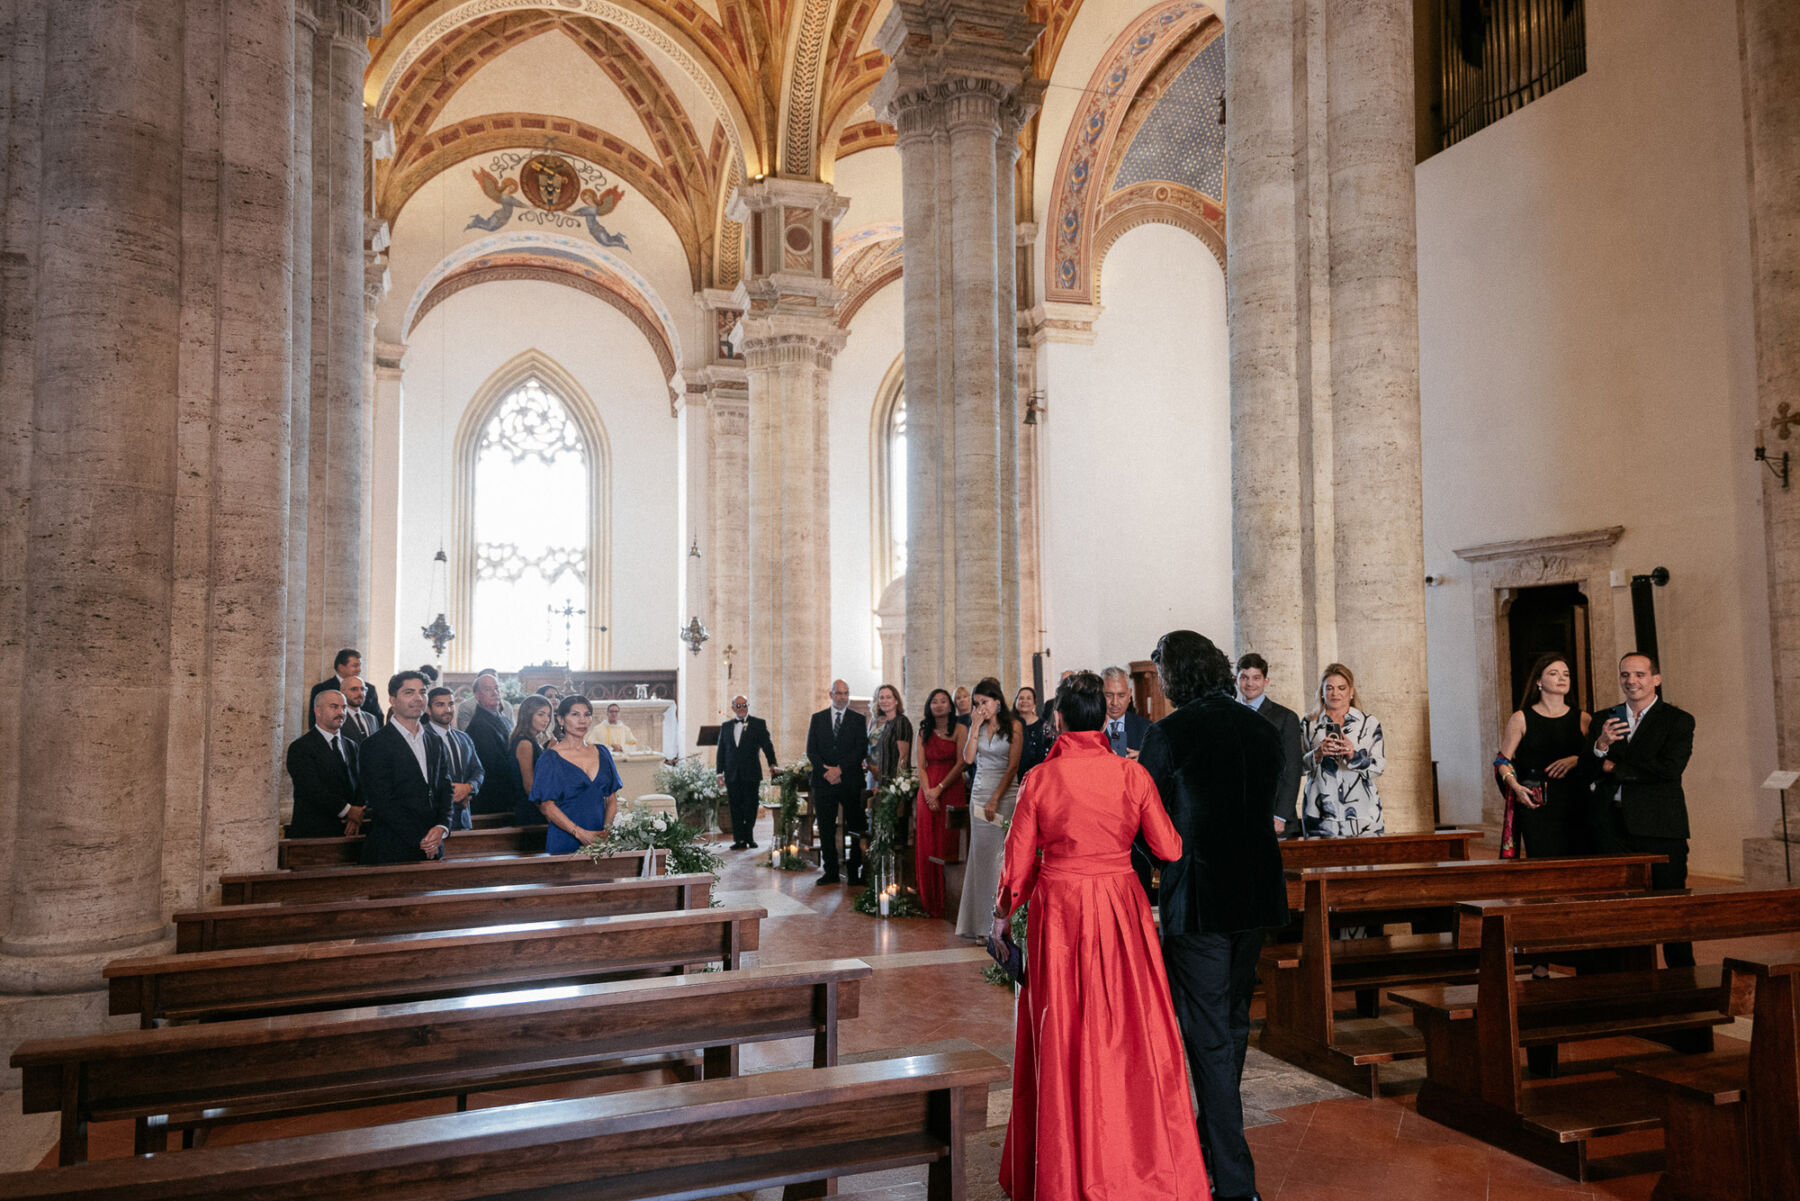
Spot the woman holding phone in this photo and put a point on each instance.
(1344, 754)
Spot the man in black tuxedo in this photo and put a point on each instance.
(1252, 679)
(837, 743)
(405, 781)
(740, 741)
(1216, 765)
(1640, 750)
(489, 731)
(322, 765)
(348, 663)
(1125, 726)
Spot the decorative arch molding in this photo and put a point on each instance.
(854, 139)
(531, 364)
(800, 155)
(699, 46)
(450, 64)
(552, 250)
(1077, 193)
(870, 268)
(1157, 203)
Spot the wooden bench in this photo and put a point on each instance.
(1731, 1120)
(488, 821)
(1300, 981)
(407, 879)
(223, 927)
(682, 1140)
(347, 849)
(211, 985)
(1299, 854)
(1473, 1034)
(190, 1077)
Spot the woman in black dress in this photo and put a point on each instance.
(1037, 729)
(523, 748)
(1539, 753)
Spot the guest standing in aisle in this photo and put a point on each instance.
(994, 745)
(941, 766)
(1252, 690)
(837, 743)
(743, 743)
(1037, 730)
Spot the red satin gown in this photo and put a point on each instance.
(1100, 1107)
(932, 834)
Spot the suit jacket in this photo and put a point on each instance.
(403, 805)
(489, 733)
(1135, 726)
(847, 750)
(737, 760)
(1216, 764)
(1647, 770)
(1287, 789)
(465, 765)
(370, 705)
(324, 785)
(355, 721)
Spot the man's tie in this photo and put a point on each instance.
(456, 764)
(837, 716)
(343, 750)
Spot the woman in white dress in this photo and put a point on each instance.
(996, 740)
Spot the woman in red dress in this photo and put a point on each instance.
(940, 755)
(1100, 1095)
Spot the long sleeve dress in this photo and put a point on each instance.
(1100, 1093)
(1340, 799)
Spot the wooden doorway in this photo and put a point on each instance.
(1545, 620)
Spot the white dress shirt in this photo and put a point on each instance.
(416, 740)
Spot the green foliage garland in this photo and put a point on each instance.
(787, 818)
(891, 800)
(639, 828)
(696, 789)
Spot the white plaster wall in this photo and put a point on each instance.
(1137, 449)
(455, 350)
(875, 340)
(1586, 361)
(870, 181)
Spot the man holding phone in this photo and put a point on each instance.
(1640, 750)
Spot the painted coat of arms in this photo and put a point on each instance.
(544, 188)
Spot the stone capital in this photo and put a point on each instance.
(378, 134)
(780, 338)
(761, 195)
(349, 20)
(942, 48)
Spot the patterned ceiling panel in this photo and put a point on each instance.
(1181, 140)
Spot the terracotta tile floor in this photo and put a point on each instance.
(932, 992)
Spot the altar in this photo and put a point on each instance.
(651, 736)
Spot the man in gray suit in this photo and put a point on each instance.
(1252, 679)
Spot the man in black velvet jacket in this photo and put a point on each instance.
(1216, 764)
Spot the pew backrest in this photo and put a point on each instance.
(404, 879)
(347, 849)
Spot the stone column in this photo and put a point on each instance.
(958, 89)
(1378, 503)
(102, 488)
(338, 535)
(1032, 629)
(727, 554)
(1770, 50)
(298, 669)
(789, 339)
(392, 640)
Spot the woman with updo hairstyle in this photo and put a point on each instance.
(993, 745)
(1096, 1036)
(576, 786)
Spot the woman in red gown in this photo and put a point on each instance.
(940, 754)
(1100, 1107)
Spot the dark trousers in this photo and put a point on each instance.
(742, 796)
(1612, 838)
(1211, 977)
(826, 804)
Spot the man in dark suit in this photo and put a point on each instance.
(348, 663)
(1640, 750)
(740, 741)
(1252, 679)
(1215, 764)
(837, 743)
(467, 774)
(489, 731)
(358, 724)
(322, 765)
(405, 781)
(1125, 726)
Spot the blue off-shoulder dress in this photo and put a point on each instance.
(582, 800)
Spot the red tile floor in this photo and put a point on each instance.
(927, 990)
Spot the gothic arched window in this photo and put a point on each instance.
(887, 503)
(532, 532)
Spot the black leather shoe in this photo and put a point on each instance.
(739, 846)
(752, 846)
(829, 878)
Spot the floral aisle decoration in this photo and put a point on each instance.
(882, 896)
(696, 789)
(637, 827)
(786, 856)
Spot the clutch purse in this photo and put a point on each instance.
(1007, 954)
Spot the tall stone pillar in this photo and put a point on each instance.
(341, 423)
(789, 339)
(719, 403)
(1377, 491)
(298, 668)
(1770, 49)
(102, 492)
(958, 90)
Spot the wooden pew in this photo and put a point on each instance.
(224, 927)
(186, 1077)
(487, 821)
(462, 844)
(406, 879)
(709, 1137)
(1300, 981)
(1473, 1033)
(211, 985)
(1731, 1120)
(1301, 854)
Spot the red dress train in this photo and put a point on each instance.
(1100, 1107)
(931, 834)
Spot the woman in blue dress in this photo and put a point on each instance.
(575, 786)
